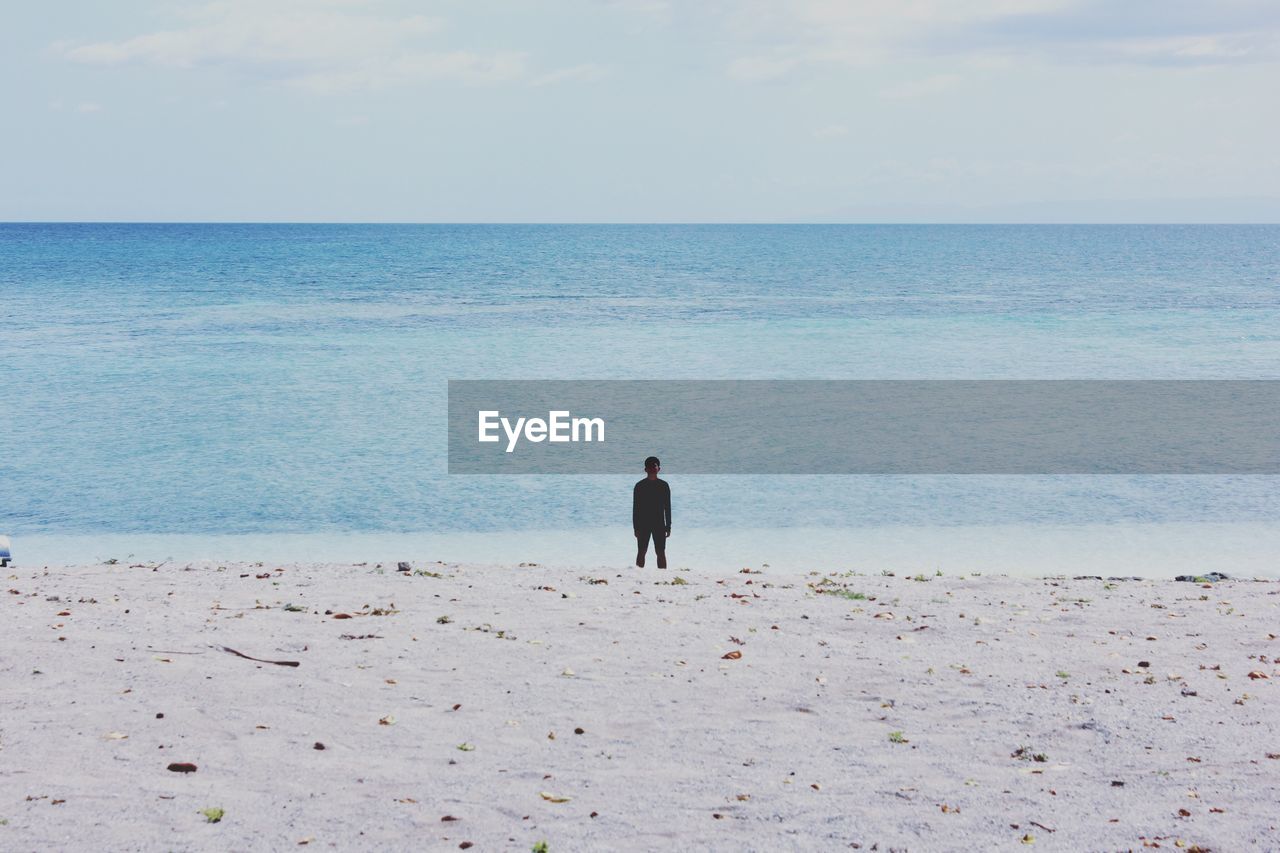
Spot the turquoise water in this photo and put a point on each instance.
(257, 379)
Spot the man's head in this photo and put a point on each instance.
(652, 466)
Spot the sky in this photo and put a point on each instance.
(640, 110)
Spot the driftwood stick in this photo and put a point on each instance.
(259, 660)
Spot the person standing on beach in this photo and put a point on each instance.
(651, 513)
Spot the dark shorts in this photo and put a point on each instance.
(659, 535)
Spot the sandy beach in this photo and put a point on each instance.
(498, 707)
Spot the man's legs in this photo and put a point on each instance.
(642, 545)
(660, 546)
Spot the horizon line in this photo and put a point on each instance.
(614, 223)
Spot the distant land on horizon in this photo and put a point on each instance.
(1260, 210)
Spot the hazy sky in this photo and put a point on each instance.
(635, 110)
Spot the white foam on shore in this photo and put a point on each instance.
(1146, 550)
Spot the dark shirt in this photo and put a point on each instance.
(651, 505)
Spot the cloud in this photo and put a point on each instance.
(1144, 32)
(413, 68)
(319, 45)
(776, 38)
(588, 71)
(924, 87)
(786, 36)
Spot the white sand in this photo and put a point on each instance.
(788, 747)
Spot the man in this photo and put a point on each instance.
(651, 513)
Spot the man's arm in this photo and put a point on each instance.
(666, 506)
(635, 509)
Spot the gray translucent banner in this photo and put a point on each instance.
(865, 427)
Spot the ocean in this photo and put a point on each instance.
(199, 390)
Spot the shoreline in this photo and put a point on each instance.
(744, 710)
(1153, 550)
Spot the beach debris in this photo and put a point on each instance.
(302, 842)
(443, 620)
(1212, 577)
(541, 846)
(213, 815)
(1257, 673)
(294, 608)
(447, 818)
(339, 615)
(465, 845)
(115, 736)
(733, 655)
(568, 673)
(1024, 753)
(466, 747)
(388, 720)
(579, 731)
(897, 737)
(360, 637)
(403, 567)
(232, 651)
(1028, 839)
(553, 798)
(182, 767)
(318, 745)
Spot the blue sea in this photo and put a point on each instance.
(209, 390)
